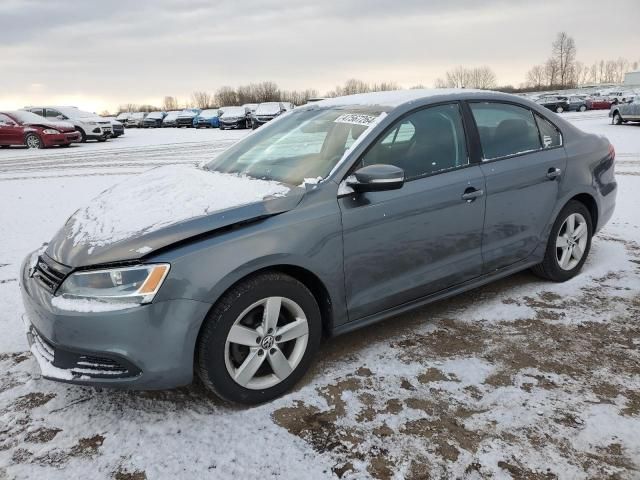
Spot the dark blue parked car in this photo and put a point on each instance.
(207, 119)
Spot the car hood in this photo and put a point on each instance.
(161, 207)
(61, 126)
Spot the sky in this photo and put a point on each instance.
(99, 55)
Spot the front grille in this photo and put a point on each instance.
(49, 273)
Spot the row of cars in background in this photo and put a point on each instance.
(47, 126)
(582, 102)
(42, 126)
(250, 115)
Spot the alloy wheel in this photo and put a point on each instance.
(571, 241)
(266, 343)
(33, 141)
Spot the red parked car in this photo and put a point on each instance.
(598, 103)
(34, 131)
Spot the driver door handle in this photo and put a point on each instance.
(553, 173)
(470, 194)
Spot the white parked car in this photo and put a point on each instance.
(90, 125)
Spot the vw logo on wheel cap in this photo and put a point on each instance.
(267, 342)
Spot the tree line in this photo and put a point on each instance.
(561, 70)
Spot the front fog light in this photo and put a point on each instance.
(137, 284)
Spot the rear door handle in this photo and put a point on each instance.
(553, 173)
(470, 194)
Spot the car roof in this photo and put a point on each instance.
(396, 98)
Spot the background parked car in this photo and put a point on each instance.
(251, 107)
(154, 120)
(207, 119)
(117, 128)
(599, 103)
(554, 103)
(123, 117)
(266, 112)
(185, 117)
(170, 119)
(628, 111)
(90, 125)
(578, 103)
(234, 117)
(136, 119)
(33, 131)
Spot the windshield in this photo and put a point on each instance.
(187, 113)
(28, 117)
(154, 115)
(76, 113)
(234, 112)
(122, 116)
(269, 108)
(209, 113)
(305, 143)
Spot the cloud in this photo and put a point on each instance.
(148, 49)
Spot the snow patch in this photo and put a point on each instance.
(87, 305)
(162, 197)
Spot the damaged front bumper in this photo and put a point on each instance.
(145, 347)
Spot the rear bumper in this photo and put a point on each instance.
(145, 347)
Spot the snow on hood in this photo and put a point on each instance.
(161, 197)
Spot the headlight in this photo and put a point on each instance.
(50, 131)
(138, 284)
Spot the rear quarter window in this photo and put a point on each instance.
(549, 134)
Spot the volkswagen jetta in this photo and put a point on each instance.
(331, 217)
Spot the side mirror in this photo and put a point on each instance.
(376, 178)
(61, 117)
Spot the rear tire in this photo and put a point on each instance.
(241, 367)
(617, 119)
(31, 140)
(568, 245)
(583, 108)
(559, 109)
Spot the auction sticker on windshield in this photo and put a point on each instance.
(356, 119)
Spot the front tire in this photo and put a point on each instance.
(583, 108)
(617, 119)
(568, 245)
(83, 136)
(31, 140)
(559, 109)
(259, 339)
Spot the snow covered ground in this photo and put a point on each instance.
(519, 379)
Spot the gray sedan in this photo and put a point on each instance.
(333, 216)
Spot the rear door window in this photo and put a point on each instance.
(505, 129)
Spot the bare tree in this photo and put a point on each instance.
(202, 99)
(536, 77)
(551, 72)
(483, 78)
(169, 104)
(463, 77)
(563, 52)
(226, 96)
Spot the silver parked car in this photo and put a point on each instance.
(628, 111)
(339, 214)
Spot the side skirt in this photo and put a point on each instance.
(434, 297)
